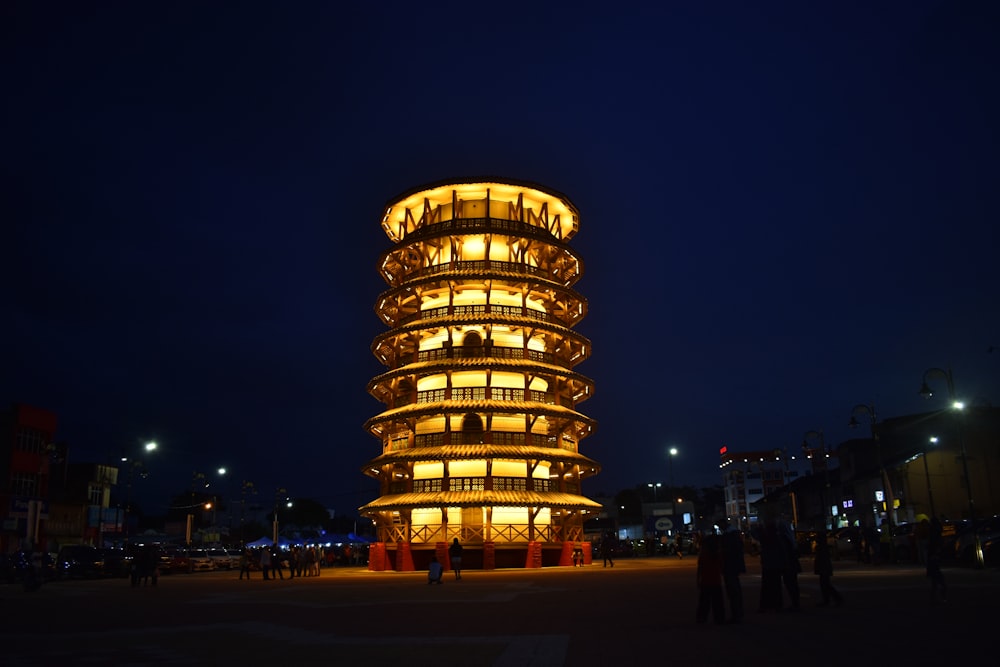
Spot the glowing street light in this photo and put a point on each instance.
(673, 452)
(278, 494)
(654, 486)
(133, 465)
(927, 473)
(959, 407)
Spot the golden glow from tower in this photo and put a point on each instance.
(480, 432)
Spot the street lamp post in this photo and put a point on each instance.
(869, 411)
(810, 453)
(927, 473)
(926, 392)
(654, 486)
(196, 477)
(673, 452)
(221, 472)
(280, 493)
(133, 464)
(245, 488)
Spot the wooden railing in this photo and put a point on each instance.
(503, 533)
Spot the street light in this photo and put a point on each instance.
(927, 473)
(133, 464)
(673, 453)
(281, 492)
(959, 406)
(221, 472)
(869, 411)
(196, 477)
(654, 486)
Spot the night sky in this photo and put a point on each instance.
(786, 209)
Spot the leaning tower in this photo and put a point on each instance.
(480, 436)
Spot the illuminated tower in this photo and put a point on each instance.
(480, 436)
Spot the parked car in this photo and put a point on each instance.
(14, 566)
(200, 561)
(117, 563)
(987, 530)
(845, 542)
(234, 556)
(173, 560)
(79, 561)
(223, 561)
(950, 532)
(991, 551)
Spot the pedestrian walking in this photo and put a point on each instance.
(606, 552)
(935, 546)
(871, 544)
(245, 564)
(790, 575)
(265, 562)
(709, 578)
(276, 565)
(455, 554)
(678, 546)
(921, 535)
(773, 562)
(823, 568)
(733, 565)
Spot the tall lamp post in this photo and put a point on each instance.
(196, 478)
(133, 465)
(654, 486)
(926, 392)
(673, 452)
(869, 411)
(221, 472)
(927, 473)
(810, 453)
(278, 495)
(246, 488)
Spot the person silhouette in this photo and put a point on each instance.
(455, 554)
(606, 552)
(434, 571)
(709, 578)
(823, 567)
(733, 565)
(935, 546)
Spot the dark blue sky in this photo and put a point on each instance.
(786, 210)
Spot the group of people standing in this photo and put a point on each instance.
(301, 562)
(721, 562)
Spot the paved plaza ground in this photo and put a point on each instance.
(641, 610)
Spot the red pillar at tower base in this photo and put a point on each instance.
(534, 558)
(376, 557)
(404, 557)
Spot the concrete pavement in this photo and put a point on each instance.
(642, 609)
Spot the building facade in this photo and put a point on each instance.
(45, 500)
(750, 476)
(480, 438)
(27, 453)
